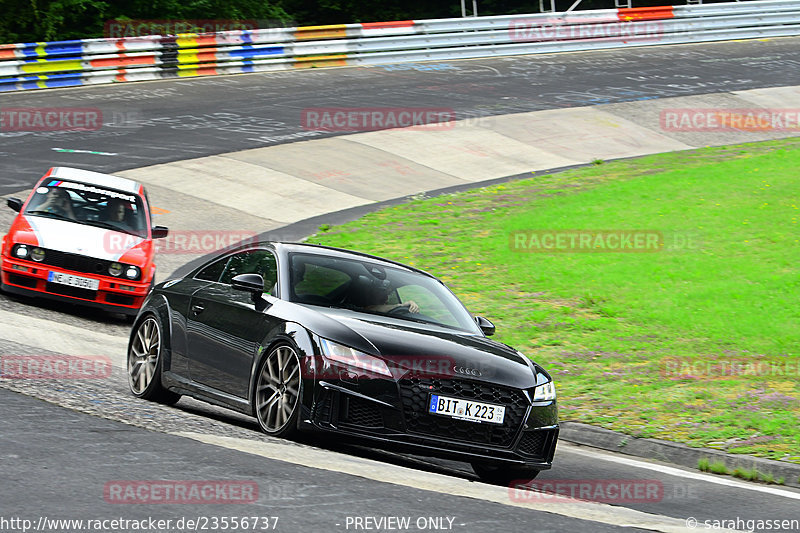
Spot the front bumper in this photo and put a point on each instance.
(528, 439)
(27, 278)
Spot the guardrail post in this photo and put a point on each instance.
(474, 8)
(551, 9)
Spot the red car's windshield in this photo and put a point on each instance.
(89, 204)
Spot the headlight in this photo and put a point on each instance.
(37, 255)
(545, 392)
(132, 272)
(351, 357)
(115, 269)
(21, 251)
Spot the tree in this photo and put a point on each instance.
(59, 20)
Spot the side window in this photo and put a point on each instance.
(253, 262)
(213, 271)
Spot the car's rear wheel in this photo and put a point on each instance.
(278, 391)
(145, 361)
(503, 475)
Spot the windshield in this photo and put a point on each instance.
(89, 204)
(375, 289)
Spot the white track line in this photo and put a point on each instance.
(672, 471)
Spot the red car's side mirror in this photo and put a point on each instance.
(15, 204)
(159, 232)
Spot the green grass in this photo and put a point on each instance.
(715, 467)
(748, 474)
(636, 341)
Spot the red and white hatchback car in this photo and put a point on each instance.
(82, 237)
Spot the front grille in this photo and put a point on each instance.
(416, 392)
(537, 444)
(24, 281)
(75, 292)
(75, 262)
(363, 413)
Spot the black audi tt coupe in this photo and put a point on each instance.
(307, 337)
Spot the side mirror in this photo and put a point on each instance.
(252, 283)
(15, 204)
(159, 232)
(486, 327)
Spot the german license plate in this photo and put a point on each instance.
(73, 281)
(466, 409)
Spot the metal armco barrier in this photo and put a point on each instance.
(96, 61)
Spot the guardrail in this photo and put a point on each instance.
(95, 61)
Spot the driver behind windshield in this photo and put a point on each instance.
(386, 307)
(115, 210)
(374, 297)
(57, 202)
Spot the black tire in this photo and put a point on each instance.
(145, 360)
(278, 389)
(500, 475)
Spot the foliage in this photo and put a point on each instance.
(58, 20)
(51, 20)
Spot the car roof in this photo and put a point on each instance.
(331, 251)
(95, 178)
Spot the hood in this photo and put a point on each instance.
(81, 239)
(420, 350)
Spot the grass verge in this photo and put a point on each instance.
(697, 342)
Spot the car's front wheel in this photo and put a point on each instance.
(503, 475)
(278, 390)
(145, 361)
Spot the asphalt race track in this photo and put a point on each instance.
(154, 122)
(60, 458)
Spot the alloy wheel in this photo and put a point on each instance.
(278, 389)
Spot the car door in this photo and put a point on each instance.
(225, 328)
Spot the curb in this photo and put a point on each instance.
(302, 230)
(673, 452)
